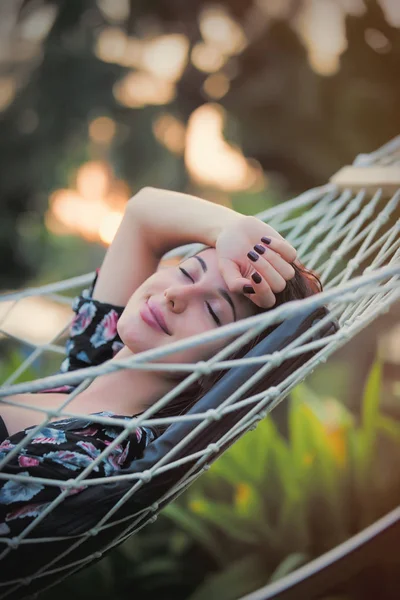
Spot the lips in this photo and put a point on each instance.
(158, 316)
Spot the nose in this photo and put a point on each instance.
(178, 296)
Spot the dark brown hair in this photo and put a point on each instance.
(305, 283)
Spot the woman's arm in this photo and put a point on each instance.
(154, 222)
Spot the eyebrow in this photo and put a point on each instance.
(221, 291)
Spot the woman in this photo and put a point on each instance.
(247, 268)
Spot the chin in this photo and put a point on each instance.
(136, 336)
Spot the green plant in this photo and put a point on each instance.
(12, 362)
(269, 505)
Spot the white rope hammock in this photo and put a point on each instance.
(348, 231)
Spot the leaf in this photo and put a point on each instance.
(235, 466)
(371, 398)
(389, 426)
(369, 419)
(241, 577)
(196, 529)
(316, 462)
(290, 563)
(293, 528)
(222, 516)
(157, 566)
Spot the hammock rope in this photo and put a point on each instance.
(326, 225)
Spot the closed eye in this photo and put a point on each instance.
(210, 310)
(186, 273)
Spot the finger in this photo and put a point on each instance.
(267, 271)
(234, 279)
(281, 246)
(280, 265)
(264, 296)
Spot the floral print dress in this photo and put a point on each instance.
(64, 448)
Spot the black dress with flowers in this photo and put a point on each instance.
(64, 448)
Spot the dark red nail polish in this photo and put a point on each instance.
(260, 249)
(248, 289)
(266, 240)
(252, 256)
(256, 277)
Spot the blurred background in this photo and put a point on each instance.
(245, 103)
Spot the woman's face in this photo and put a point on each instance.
(178, 302)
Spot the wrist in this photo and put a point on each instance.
(228, 220)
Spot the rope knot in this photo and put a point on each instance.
(132, 425)
(214, 448)
(203, 368)
(276, 359)
(146, 476)
(213, 415)
(337, 254)
(382, 218)
(272, 392)
(13, 543)
(353, 263)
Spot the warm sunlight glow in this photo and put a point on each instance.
(161, 57)
(219, 29)
(111, 45)
(102, 130)
(37, 24)
(138, 89)
(37, 320)
(321, 27)
(354, 7)
(114, 10)
(207, 58)
(275, 9)
(132, 57)
(92, 180)
(118, 195)
(109, 225)
(377, 40)
(94, 209)
(170, 132)
(8, 89)
(216, 86)
(166, 56)
(209, 159)
(391, 9)
(79, 216)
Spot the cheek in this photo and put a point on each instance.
(125, 329)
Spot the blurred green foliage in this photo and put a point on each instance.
(266, 507)
(269, 505)
(12, 365)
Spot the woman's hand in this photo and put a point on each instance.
(254, 259)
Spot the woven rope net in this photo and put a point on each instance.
(348, 231)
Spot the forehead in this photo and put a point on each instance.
(244, 306)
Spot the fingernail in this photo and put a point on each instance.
(252, 256)
(248, 289)
(260, 249)
(266, 240)
(256, 277)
